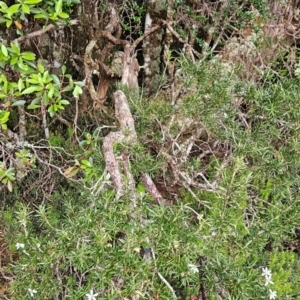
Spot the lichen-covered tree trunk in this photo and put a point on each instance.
(153, 45)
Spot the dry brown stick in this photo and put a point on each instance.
(116, 41)
(106, 34)
(141, 38)
(176, 34)
(43, 31)
(152, 189)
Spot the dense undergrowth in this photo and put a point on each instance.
(234, 207)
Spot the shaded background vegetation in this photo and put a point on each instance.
(217, 122)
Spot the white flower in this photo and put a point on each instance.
(268, 281)
(266, 273)
(91, 295)
(32, 292)
(193, 268)
(19, 245)
(272, 295)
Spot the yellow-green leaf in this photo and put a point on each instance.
(13, 61)
(12, 9)
(63, 15)
(4, 50)
(32, 1)
(33, 106)
(64, 102)
(51, 92)
(3, 5)
(8, 23)
(29, 90)
(41, 68)
(58, 6)
(20, 84)
(26, 9)
(40, 16)
(28, 55)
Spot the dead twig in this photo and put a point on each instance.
(44, 30)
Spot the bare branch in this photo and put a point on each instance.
(176, 34)
(153, 191)
(43, 31)
(147, 33)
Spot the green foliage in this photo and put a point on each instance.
(133, 13)
(286, 277)
(4, 115)
(221, 238)
(225, 156)
(57, 140)
(26, 157)
(49, 10)
(34, 80)
(144, 162)
(7, 175)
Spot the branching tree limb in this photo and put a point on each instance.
(43, 31)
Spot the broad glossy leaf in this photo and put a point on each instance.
(32, 1)
(20, 84)
(22, 66)
(3, 5)
(67, 89)
(33, 106)
(28, 55)
(19, 103)
(8, 23)
(41, 16)
(16, 48)
(79, 83)
(45, 76)
(64, 102)
(58, 6)
(40, 68)
(77, 91)
(32, 80)
(63, 15)
(51, 92)
(86, 163)
(53, 17)
(30, 90)
(14, 60)
(4, 50)
(55, 79)
(63, 69)
(26, 9)
(12, 9)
